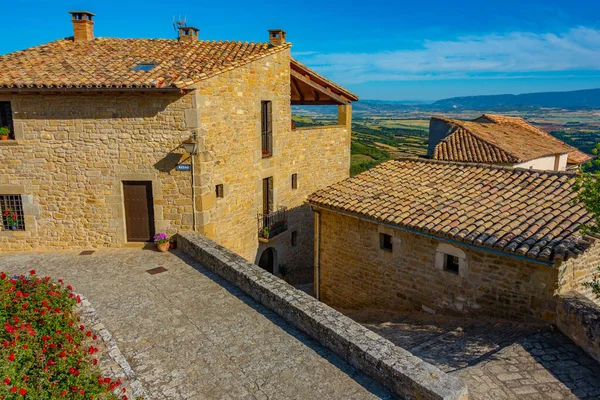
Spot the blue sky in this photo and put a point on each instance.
(397, 50)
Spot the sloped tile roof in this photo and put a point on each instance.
(517, 211)
(109, 63)
(513, 139)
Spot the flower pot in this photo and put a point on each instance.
(13, 228)
(5, 137)
(163, 247)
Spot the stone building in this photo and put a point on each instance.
(500, 140)
(113, 140)
(451, 238)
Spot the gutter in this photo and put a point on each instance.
(91, 89)
(441, 238)
(317, 283)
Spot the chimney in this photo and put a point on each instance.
(276, 37)
(188, 34)
(83, 26)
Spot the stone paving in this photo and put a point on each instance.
(188, 334)
(497, 359)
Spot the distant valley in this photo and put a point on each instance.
(383, 130)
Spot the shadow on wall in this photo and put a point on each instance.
(110, 105)
(293, 261)
(170, 161)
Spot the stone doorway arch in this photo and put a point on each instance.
(267, 260)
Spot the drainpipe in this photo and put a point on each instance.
(317, 284)
(193, 194)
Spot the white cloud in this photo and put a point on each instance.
(493, 55)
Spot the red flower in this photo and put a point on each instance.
(106, 380)
(11, 357)
(32, 272)
(62, 354)
(94, 361)
(6, 381)
(23, 391)
(64, 393)
(14, 389)
(88, 334)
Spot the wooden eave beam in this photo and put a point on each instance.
(314, 103)
(295, 86)
(326, 91)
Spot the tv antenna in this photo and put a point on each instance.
(179, 23)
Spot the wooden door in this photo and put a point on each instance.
(139, 211)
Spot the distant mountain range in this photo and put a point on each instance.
(589, 98)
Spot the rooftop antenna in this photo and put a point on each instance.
(179, 23)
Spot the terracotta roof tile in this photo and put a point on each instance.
(500, 139)
(109, 63)
(518, 211)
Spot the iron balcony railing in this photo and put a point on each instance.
(272, 224)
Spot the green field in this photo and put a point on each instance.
(376, 139)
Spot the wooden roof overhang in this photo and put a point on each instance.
(310, 88)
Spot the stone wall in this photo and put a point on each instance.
(575, 271)
(579, 318)
(71, 155)
(404, 374)
(229, 129)
(355, 273)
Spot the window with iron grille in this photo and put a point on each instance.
(6, 120)
(294, 181)
(266, 126)
(451, 263)
(11, 208)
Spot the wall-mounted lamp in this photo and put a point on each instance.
(190, 146)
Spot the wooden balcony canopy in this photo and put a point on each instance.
(310, 88)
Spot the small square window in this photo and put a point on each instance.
(219, 190)
(6, 120)
(451, 263)
(385, 242)
(294, 238)
(11, 213)
(294, 181)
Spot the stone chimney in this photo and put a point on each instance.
(83, 26)
(188, 34)
(276, 37)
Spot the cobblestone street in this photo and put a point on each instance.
(497, 359)
(188, 334)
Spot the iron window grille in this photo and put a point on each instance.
(6, 118)
(11, 207)
(451, 264)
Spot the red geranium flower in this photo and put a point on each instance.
(23, 391)
(6, 381)
(11, 357)
(32, 272)
(14, 389)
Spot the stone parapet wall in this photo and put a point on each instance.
(579, 318)
(575, 271)
(404, 374)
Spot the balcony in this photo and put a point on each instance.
(272, 224)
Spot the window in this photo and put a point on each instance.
(294, 238)
(6, 120)
(385, 242)
(294, 181)
(266, 124)
(219, 190)
(145, 67)
(451, 263)
(11, 207)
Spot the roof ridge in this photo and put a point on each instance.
(487, 166)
